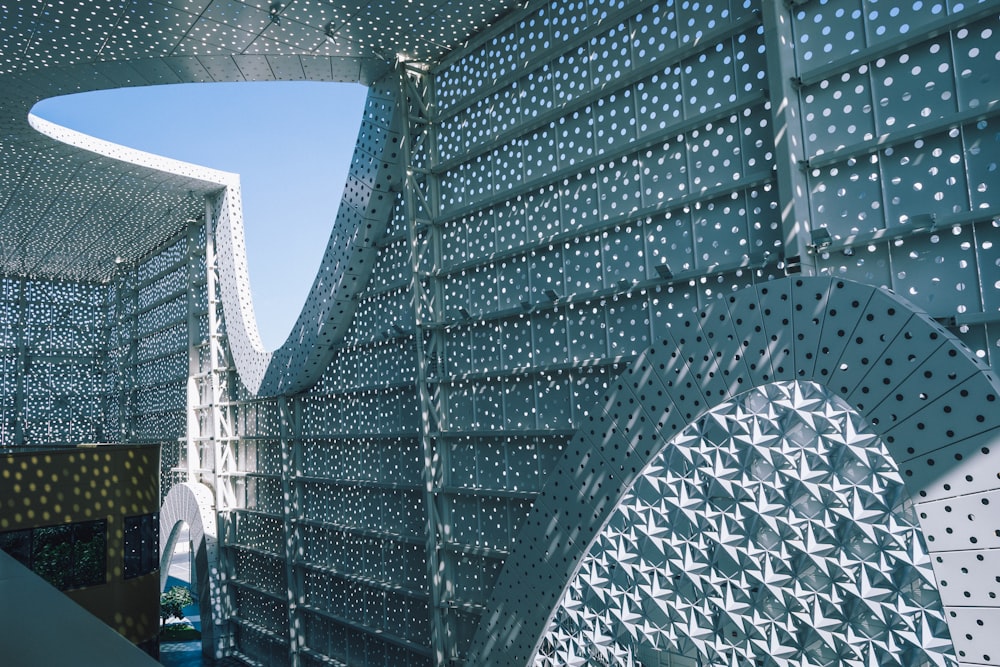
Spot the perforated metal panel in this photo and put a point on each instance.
(773, 529)
(667, 389)
(572, 256)
(347, 264)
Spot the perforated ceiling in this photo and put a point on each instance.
(101, 209)
(589, 186)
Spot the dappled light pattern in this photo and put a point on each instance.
(904, 374)
(362, 218)
(74, 502)
(774, 531)
(54, 367)
(569, 235)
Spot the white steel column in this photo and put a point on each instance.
(190, 467)
(126, 318)
(421, 195)
(221, 430)
(218, 436)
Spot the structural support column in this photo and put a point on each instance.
(224, 460)
(123, 338)
(789, 143)
(218, 436)
(191, 466)
(421, 200)
(21, 364)
(288, 412)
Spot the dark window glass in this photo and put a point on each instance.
(17, 543)
(133, 543)
(52, 554)
(90, 554)
(150, 555)
(73, 555)
(142, 545)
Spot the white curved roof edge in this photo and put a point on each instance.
(294, 365)
(182, 52)
(346, 267)
(131, 155)
(249, 351)
(242, 313)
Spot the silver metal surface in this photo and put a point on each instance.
(571, 231)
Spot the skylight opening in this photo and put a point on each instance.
(290, 142)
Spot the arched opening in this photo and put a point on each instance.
(180, 637)
(776, 527)
(188, 514)
(924, 394)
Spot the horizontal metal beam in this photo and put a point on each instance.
(377, 633)
(889, 234)
(660, 208)
(934, 28)
(671, 130)
(359, 483)
(749, 262)
(504, 434)
(388, 586)
(892, 139)
(529, 371)
(417, 540)
(538, 58)
(483, 492)
(656, 64)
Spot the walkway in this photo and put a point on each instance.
(183, 654)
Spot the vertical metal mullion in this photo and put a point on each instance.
(792, 183)
(193, 458)
(439, 451)
(442, 642)
(111, 316)
(130, 373)
(290, 435)
(223, 500)
(21, 365)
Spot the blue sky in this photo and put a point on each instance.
(291, 143)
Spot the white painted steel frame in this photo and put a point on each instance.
(459, 326)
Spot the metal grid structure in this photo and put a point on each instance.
(709, 563)
(572, 230)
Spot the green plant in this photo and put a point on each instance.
(172, 603)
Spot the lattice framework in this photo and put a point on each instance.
(775, 530)
(571, 185)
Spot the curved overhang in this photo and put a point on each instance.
(68, 213)
(362, 218)
(76, 208)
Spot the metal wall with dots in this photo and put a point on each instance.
(597, 174)
(346, 267)
(602, 168)
(55, 371)
(323, 542)
(706, 561)
(898, 116)
(900, 371)
(561, 245)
